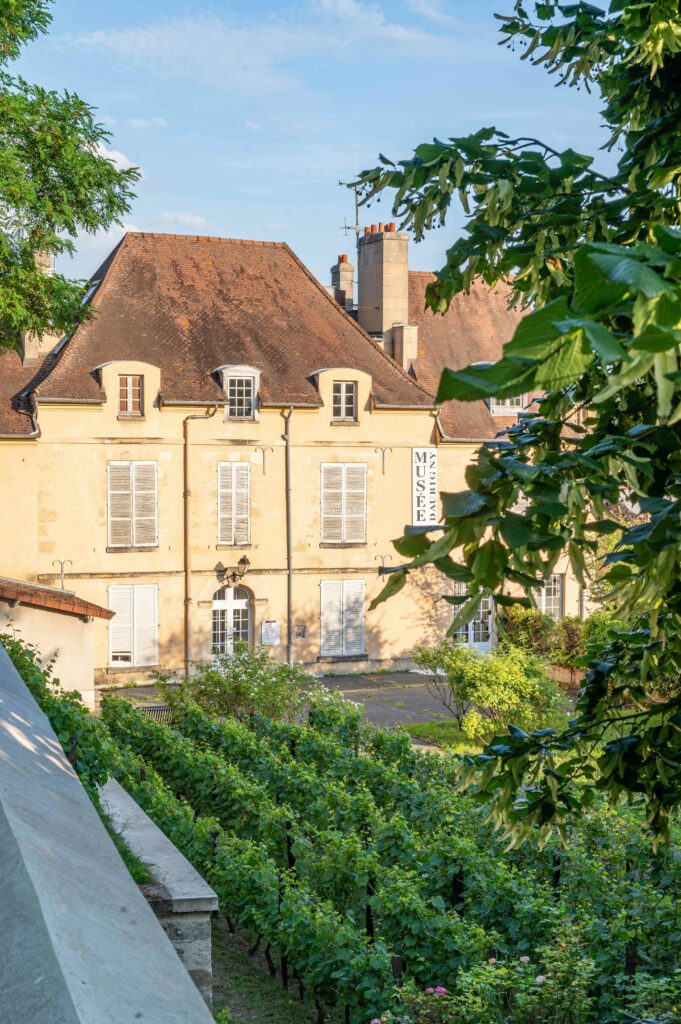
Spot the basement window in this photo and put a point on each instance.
(344, 400)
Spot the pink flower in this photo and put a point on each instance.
(540, 979)
(429, 992)
(524, 959)
(441, 991)
(376, 1020)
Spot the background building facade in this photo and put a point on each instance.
(223, 453)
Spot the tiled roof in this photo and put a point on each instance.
(190, 304)
(474, 329)
(15, 414)
(64, 601)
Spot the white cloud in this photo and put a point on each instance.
(434, 10)
(147, 122)
(367, 21)
(252, 126)
(189, 220)
(106, 119)
(255, 56)
(120, 161)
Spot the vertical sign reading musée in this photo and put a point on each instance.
(424, 486)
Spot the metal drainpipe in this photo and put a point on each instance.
(289, 541)
(187, 494)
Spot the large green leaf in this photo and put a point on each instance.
(457, 504)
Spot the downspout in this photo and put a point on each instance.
(187, 567)
(289, 538)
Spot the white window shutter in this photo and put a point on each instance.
(120, 504)
(332, 503)
(331, 617)
(242, 502)
(145, 525)
(354, 519)
(353, 617)
(120, 627)
(145, 625)
(225, 504)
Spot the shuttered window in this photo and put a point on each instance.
(342, 618)
(234, 503)
(132, 505)
(133, 631)
(344, 503)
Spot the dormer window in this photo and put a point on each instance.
(344, 400)
(507, 406)
(240, 398)
(130, 395)
(241, 385)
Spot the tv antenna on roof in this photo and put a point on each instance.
(347, 228)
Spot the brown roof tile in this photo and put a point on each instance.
(474, 329)
(190, 304)
(19, 592)
(15, 412)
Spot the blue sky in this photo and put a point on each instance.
(244, 115)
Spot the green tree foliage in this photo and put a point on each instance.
(599, 257)
(484, 692)
(54, 183)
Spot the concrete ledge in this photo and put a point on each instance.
(78, 942)
(181, 899)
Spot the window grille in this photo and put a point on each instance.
(344, 400)
(240, 398)
(130, 397)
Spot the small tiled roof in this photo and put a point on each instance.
(64, 601)
(190, 304)
(474, 329)
(15, 413)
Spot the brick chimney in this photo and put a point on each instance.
(343, 281)
(383, 291)
(36, 348)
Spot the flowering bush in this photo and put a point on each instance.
(506, 991)
(242, 683)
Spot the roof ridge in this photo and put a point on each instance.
(202, 238)
(366, 337)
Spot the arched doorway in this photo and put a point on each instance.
(232, 620)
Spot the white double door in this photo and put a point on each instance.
(231, 619)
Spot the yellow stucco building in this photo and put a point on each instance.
(226, 449)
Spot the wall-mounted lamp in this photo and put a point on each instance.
(225, 576)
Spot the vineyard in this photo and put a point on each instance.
(347, 856)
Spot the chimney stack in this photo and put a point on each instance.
(36, 348)
(343, 281)
(383, 291)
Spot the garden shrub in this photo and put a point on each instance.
(487, 691)
(246, 682)
(528, 629)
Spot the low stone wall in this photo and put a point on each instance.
(78, 941)
(182, 901)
